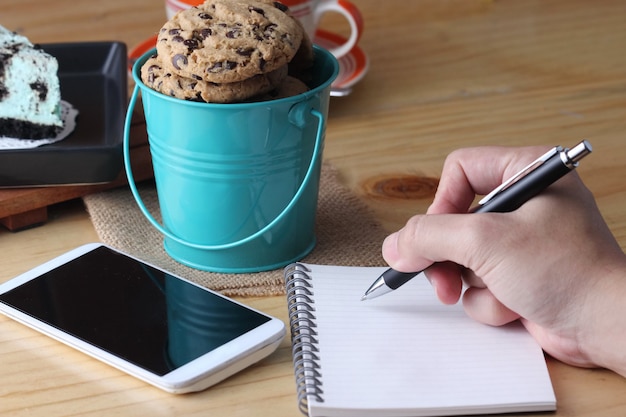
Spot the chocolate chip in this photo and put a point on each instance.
(287, 39)
(280, 6)
(245, 51)
(179, 59)
(204, 33)
(222, 66)
(205, 16)
(217, 67)
(191, 44)
(178, 38)
(232, 34)
(174, 31)
(257, 10)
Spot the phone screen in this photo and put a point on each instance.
(132, 310)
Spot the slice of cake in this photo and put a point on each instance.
(30, 95)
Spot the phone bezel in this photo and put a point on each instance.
(196, 375)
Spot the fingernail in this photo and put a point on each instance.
(432, 283)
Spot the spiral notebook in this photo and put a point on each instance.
(404, 354)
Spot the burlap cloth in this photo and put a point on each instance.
(347, 234)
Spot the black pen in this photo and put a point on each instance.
(509, 196)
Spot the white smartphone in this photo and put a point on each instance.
(156, 326)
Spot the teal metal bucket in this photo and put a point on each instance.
(237, 184)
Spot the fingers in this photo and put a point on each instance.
(445, 278)
(477, 171)
(481, 305)
(501, 253)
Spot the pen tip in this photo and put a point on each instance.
(363, 298)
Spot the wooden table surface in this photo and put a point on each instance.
(443, 74)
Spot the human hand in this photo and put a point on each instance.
(553, 263)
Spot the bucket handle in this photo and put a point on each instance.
(297, 112)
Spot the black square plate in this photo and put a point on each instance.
(93, 78)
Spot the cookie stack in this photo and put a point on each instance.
(228, 51)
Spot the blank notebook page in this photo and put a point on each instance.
(406, 354)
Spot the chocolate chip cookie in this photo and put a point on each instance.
(225, 41)
(291, 86)
(155, 76)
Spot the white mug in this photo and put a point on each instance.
(308, 12)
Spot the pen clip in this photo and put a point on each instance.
(527, 169)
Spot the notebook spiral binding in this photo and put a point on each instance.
(303, 335)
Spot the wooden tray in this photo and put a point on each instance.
(22, 208)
